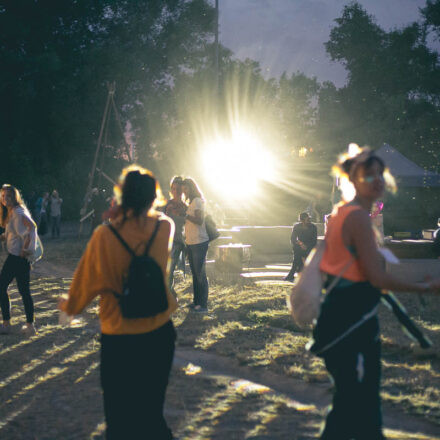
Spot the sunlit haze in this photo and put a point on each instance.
(236, 165)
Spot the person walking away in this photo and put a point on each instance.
(55, 213)
(303, 239)
(197, 241)
(347, 331)
(20, 238)
(136, 354)
(176, 210)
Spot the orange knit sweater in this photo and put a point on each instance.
(101, 270)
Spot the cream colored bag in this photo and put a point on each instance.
(305, 299)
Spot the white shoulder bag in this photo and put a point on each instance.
(305, 300)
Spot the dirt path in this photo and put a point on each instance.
(50, 387)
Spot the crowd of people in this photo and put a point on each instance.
(137, 353)
(46, 212)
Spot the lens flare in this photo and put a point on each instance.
(235, 166)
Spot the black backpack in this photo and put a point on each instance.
(144, 292)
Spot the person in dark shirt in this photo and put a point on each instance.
(303, 239)
(176, 209)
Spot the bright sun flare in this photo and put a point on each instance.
(235, 166)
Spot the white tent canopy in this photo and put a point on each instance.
(406, 172)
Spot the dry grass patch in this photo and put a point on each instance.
(251, 324)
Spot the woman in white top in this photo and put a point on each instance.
(197, 240)
(20, 237)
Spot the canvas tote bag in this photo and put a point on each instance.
(305, 300)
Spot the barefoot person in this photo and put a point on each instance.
(20, 238)
(197, 242)
(136, 354)
(347, 332)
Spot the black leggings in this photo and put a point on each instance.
(134, 378)
(18, 268)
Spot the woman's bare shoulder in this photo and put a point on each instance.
(358, 219)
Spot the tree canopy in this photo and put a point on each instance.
(58, 56)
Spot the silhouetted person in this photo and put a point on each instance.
(303, 239)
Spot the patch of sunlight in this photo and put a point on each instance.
(284, 344)
(290, 403)
(13, 415)
(44, 301)
(36, 363)
(264, 416)
(51, 374)
(415, 367)
(47, 313)
(416, 400)
(278, 267)
(192, 370)
(402, 435)
(296, 369)
(41, 334)
(215, 334)
(267, 315)
(262, 274)
(88, 371)
(77, 323)
(298, 406)
(98, 431)
(432, 327)
(81, 354)
(272, 282)
(246, 387)
(202, 423)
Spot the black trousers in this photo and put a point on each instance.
(134, 377)
(356, 410)
(299, 255)
(18, 268)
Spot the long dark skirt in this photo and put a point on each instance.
(134, 377)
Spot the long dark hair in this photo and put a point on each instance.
(137, 191)
(194, 190)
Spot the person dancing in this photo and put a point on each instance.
(136, 354)
(346, 334)
(20, 237)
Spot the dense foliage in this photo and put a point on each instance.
(58, 56)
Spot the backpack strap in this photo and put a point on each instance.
(118, 236)
(153, 235)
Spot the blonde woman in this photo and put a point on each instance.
(197, 242)
(136, 354)
(20, 238)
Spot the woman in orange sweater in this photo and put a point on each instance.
(136, 354)
(347, 332)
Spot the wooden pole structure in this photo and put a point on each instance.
(111, 92)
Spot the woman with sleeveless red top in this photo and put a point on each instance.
(347, 332)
